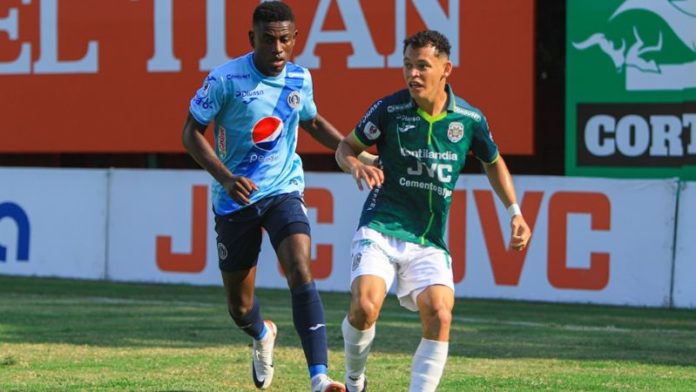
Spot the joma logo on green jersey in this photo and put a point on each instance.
(652, 42)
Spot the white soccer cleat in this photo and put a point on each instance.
(322, 383)
(262, 357)
(356, 384)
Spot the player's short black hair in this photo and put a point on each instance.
(428, 37)
(272, 11)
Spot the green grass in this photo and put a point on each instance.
(58, 335)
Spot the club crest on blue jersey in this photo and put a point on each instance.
(294, 99)
(267, 132)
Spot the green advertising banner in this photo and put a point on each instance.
(631, 88)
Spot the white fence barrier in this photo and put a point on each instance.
(685, 249)
(594, 240)
(53, 222)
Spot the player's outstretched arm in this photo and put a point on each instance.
(501, 182)
(326, 134)
(322, 131)
(239, 188)
(349, 156)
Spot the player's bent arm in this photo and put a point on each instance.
(198, 147)
(347, 157)
(348, 151)
(326, 134)
(322, 131)
(501, 181)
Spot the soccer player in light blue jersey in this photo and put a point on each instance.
(423, 134)
(256, 103)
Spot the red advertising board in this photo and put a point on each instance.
(117, 75)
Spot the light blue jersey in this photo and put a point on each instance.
(256, 121)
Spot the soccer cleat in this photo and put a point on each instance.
(356, 384)
(322, 383)
(262, 357)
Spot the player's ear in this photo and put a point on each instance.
(251, 39)
(448, 68)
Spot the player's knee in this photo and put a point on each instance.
(439, 318)
(239, 310)
(365, 311)
(297, 273)
(444, 317)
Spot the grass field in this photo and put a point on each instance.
(66, 335)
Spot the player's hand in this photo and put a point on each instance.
(371, 175)
(240, 188)
(520, 233)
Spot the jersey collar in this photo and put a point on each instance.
(451, 104)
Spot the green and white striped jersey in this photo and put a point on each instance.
(421, 157)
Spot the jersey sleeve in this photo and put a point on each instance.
(206, 104)
(482, 144)
(369, 129)
(309, 108)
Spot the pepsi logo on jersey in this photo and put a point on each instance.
(267, 132)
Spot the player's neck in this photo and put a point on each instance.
(264, 70)
(435, 105)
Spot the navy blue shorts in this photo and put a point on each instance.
(239, 233)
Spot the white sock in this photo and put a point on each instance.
(356, 344)
(428, 364)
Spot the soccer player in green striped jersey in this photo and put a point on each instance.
(423, 135)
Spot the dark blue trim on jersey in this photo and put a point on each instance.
(282, 108)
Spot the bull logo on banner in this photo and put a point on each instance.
(652, 41)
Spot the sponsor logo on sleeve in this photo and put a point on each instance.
(369, 112)
(469, 113)
(202, 94)
(371, 131)
(356, 261)
(205, 103)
